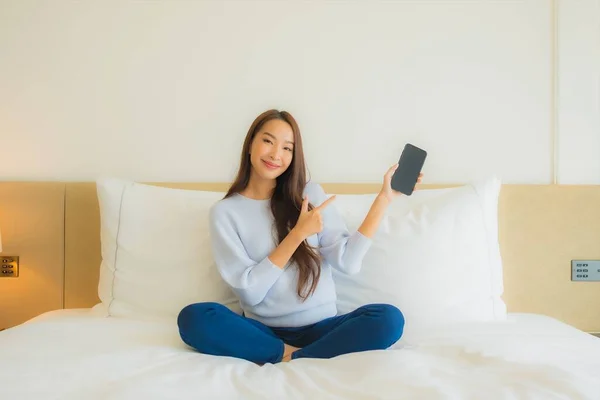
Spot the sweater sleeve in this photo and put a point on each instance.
(343, 250)
(249, 280)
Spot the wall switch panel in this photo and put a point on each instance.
(585, 270)
(9, 266)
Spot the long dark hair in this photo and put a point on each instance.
(286, 201)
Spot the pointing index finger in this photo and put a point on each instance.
(326, 203)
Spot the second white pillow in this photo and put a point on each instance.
(435, 256)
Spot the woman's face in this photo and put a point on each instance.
(272, 149)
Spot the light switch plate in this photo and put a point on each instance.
(585, 270)
(9, 266)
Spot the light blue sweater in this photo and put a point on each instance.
(243, 235)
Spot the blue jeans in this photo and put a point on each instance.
(212, 328)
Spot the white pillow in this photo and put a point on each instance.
(156, 254)
(435, 256)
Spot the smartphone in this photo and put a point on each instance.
(409, 167)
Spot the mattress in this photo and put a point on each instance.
(79, 354)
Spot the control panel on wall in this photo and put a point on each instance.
(585, 270)
(9, 266)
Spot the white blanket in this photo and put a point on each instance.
(74, 354)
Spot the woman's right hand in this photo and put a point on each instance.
(311, 222)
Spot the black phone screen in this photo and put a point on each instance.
(409, 167)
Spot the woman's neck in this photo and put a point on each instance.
(259, 189)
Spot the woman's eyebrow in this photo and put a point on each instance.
(268, 134)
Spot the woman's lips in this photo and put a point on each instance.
(270, 165)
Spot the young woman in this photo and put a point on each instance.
(275, 239)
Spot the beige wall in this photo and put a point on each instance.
(168, 92)
(483, 85)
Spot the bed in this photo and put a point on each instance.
(81, 354)
(118, 338)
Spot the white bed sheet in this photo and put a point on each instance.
(76, 354)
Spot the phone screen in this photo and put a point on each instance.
(409, 167)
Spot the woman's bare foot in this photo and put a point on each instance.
(287, 352)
